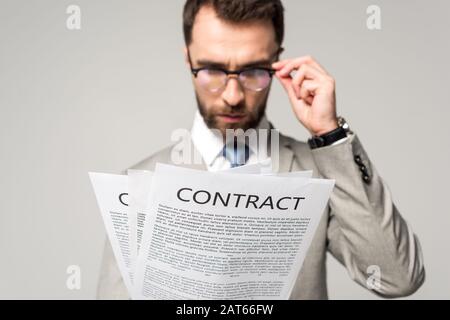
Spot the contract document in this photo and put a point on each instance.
(226, 236)
(123, 201)
(112, 197)
(179, 233)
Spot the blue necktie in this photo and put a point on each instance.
(237, 154)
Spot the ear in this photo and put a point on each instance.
(186, 56)
(280, 52)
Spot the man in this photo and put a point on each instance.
(232, 50)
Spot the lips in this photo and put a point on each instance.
(231, 118)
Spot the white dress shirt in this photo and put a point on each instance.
(210, 145)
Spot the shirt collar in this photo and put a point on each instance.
(209, 144)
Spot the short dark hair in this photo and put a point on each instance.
(237, 11)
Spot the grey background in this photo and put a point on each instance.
(110, 94)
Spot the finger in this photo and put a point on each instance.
(315, 64)
(308, 90)
(297, 63)
(287, 85)
(311, 61)
(286, 82)
(280, 64)
(306, 59)
(289, 67)
(304, 73)
(309, 100)
(297, 81)
(311, 71)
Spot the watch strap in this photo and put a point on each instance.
(328, 138)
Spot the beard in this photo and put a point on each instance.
(251, 119)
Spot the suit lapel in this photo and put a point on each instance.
(191, 158)
(285, 157)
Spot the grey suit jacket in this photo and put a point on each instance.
(361, 226)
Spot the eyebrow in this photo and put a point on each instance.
(210, 63)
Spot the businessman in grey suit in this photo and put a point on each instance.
(233, 49)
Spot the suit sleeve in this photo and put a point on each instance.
(366, 232)
(110, 283)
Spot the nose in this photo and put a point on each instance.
(233, 93)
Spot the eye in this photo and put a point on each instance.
(212, 79)
(254, 72)
(256, 79)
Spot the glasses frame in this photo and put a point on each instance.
(195, 72)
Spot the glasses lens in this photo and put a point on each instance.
(255, 79)
(211, 79)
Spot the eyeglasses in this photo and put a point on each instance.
(215, 79)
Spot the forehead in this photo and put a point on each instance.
(227, 42)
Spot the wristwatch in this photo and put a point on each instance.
(331, 137)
